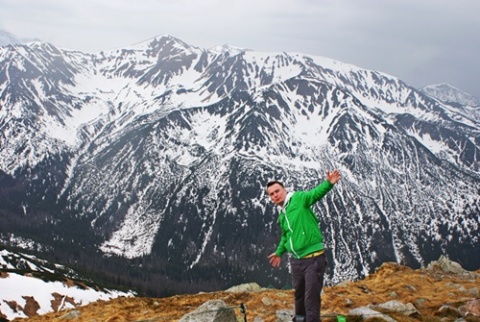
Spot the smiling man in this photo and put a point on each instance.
(302, 238)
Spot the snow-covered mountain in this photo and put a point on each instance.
(30, 286)
(7, 38)
(450, 94)
(159, 153)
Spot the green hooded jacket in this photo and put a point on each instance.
(301, 234)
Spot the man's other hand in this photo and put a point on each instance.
(275, 260)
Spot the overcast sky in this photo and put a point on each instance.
(421, 42)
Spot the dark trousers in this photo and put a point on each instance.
(307, 277)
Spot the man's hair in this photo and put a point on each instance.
(271, 183)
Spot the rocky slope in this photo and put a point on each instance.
(31, 286)
(443, 291)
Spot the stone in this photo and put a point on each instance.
(397, 306)
(285, 315)
(410, 288)
(448, 310)
(211, 311)
(348, 302)
(267, 301)
(368, 313)
(473, 307)
(474, 292)
(420, 302)
(448, 266)
(393, 294)
(71, 315)
(247, 287)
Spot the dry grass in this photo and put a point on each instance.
(428, 290)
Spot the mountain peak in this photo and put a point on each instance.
(227, 48)
(159, 39)
(7, 38)
(449, 93)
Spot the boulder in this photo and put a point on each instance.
(211, 311)
(247, 287)
(447, 265)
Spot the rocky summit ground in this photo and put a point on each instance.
(440, 292)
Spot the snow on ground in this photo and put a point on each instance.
(15, 288)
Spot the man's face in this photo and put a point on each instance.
(277, 194)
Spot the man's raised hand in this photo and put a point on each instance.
(333, 177)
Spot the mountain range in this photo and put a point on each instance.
(147, 165)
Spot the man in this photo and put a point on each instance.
(302, 238)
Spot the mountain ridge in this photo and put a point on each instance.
(449, 93)
(7, 38)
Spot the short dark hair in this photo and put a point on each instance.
(271, 183)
